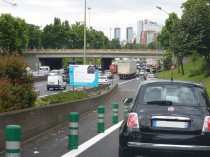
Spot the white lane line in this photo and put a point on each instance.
(125, 81)
(42, 96)
(91, 142)
(39, 85)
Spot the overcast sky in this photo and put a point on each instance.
(104, 14)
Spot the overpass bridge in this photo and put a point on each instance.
(53, 57)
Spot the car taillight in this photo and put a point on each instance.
(206, 125)
(132, 121)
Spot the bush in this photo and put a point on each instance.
(16, 84)
(61, 97)
(195, 71)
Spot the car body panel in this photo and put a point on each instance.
(173, 127)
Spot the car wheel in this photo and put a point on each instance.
(124, 154)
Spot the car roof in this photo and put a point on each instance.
(162, 81)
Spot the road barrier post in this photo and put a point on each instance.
(125, 110)
(101, 125)
(13, 140)
(115, 113)
(73, 129)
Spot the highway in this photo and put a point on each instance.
(54, 143)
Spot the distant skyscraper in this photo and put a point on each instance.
(129, 34)
(140, 27)
(117, 33)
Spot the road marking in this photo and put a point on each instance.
(125, 82)
(39, 85)
(91, 142)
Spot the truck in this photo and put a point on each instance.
(113, 68)
(126, 69)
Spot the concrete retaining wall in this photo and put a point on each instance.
(35, 121)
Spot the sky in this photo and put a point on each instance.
(103, 15)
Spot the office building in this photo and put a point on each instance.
(147, 31)
(117, 33)
(140, 26)
(129, 34)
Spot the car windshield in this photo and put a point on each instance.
(171, 95)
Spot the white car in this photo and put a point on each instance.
(141, 72)
(151, 77)
(108, 74)
(103, 80)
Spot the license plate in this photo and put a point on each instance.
(170, 124)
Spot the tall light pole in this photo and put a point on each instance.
(89, 8)
(84, 59)
(172, 23)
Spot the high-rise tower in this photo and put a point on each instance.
(129, 34)
(117, 33)
(140, 27)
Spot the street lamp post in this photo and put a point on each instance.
(172, 21)
(84, 59)
(89, 8)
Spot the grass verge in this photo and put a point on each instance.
(187, 67)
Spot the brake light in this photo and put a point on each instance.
(206, 125)
(132, 121)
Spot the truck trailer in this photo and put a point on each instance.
(126, 69)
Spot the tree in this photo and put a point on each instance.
(13, 34)
(195, 24)
(34, 36)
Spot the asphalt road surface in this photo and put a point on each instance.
(55, 142)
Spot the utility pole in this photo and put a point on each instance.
(89, 8)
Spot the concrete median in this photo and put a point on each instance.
(36, 121)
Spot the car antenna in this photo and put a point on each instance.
(172, 73)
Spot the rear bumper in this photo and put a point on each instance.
(56, 86)
(169, 146)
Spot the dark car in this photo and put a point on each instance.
(167, 118)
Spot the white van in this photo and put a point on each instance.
(55, 81)
(45, 69)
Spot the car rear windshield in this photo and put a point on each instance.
(172, 95)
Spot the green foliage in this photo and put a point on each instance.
(167, 61)
(195, 71)
(16, 85)
(13, 34)
(34, 40)
(61, 97)
(195, 57)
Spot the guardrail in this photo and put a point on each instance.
(94, 51)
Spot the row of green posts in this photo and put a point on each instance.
(13, 132)
(74, 123)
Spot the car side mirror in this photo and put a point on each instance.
(128, 100)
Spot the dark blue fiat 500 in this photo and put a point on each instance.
(167, 118)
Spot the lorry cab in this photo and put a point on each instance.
(55, 81)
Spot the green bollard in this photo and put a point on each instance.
(125, 110)
(101, 111)
(73, 129)
(13, 140)
(115, 113)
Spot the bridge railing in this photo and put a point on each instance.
(94, 51)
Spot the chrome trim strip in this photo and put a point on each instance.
(169, 146)
(170, 117)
